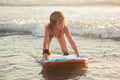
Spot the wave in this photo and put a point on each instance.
(36, 28)
(21, 27)
(97, 32)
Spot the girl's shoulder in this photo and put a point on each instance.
(47, 26)
(66, 28)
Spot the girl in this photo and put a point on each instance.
(57, 28)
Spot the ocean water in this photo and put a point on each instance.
(95, 30)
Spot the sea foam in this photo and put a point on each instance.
(37, 28)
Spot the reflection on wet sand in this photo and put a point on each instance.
(64, 72)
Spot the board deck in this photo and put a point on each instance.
(82, 62)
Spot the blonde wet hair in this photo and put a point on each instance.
(57, 18)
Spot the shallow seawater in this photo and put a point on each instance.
(95, 30)
(19, 56)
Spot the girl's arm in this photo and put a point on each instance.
(46, 43)
(68, 35)
(46, 39)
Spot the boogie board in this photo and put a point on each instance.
(65, 67)
(65, 62)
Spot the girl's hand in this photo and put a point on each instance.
(78, 55)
